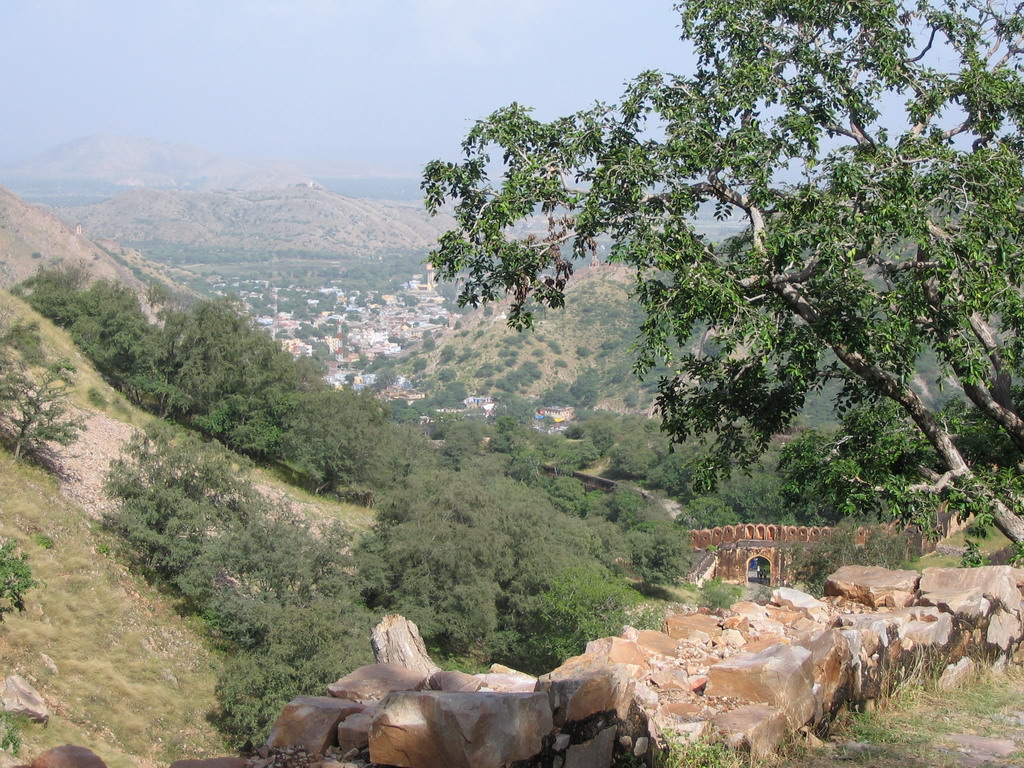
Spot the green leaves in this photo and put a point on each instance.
(878, 186)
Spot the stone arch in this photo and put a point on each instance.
(762, 532)
(759, 569)
(773, 532)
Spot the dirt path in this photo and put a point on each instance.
(82, 466)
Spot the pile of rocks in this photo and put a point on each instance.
(753, 675)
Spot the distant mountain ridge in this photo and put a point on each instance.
(296, 219)
(138, 162)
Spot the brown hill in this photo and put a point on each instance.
(30, 238)
(296, 219)
(139, 162)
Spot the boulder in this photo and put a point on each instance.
(929, 633)
(831, 659)
(596, 753)
(1003, 630)
(966, 604)
(955, 675)
(755, 728)
(782, 676)
(578, 690)
(375, 681)
(886, 627)
(434, 729)
(801, 601)
(873, 586)
(692, 626)
(354, 731)
(507, 682)
(68, 756)
(396, 640)
(453, 681)
(997, 582)
(617, 650)
(311, 722)
(656, 643)
(20, 698)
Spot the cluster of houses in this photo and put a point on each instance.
(348, 329)
(354, 327)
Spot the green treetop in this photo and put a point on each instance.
(872, 151)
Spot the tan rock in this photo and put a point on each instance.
(1003, 629)
(955, 675)
(375, 681)
(20, 698)
(686, 626)
(887, 627)
(68, 756)
(576, 691)
(433, 729)
(831, 658)
(311, 722)
(396, 640)
(965, 604)
(873, 586)
(507, 682)
(998, 582)
(617, 650)
(670, 680)
(756, 646)
(596, 753)
(354, 731)
(801, 601)
(929, 633)
(755, 728)
(691, 732)
(651, 642)
(782, 676)
(453, 681)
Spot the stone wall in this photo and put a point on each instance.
(753, 676)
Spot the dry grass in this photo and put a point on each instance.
(134, 680)
(912, 728)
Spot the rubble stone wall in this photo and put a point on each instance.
(752, 676)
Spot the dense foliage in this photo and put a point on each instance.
(872, 153)
(267, 584)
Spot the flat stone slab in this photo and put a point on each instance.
(983, 746)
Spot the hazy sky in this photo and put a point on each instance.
(391, 82)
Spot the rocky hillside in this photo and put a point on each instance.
(297, 219)
(31, 238)
(584, 347)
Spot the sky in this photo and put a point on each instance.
(390, 83)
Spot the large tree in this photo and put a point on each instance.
(871, 154)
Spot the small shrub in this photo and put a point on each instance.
(42, 540)
(10, 732)
(15, 579)
(718, 596)
(700, 754)
(96, 398)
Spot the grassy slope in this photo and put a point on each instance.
(135, 680)
(599, 319)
